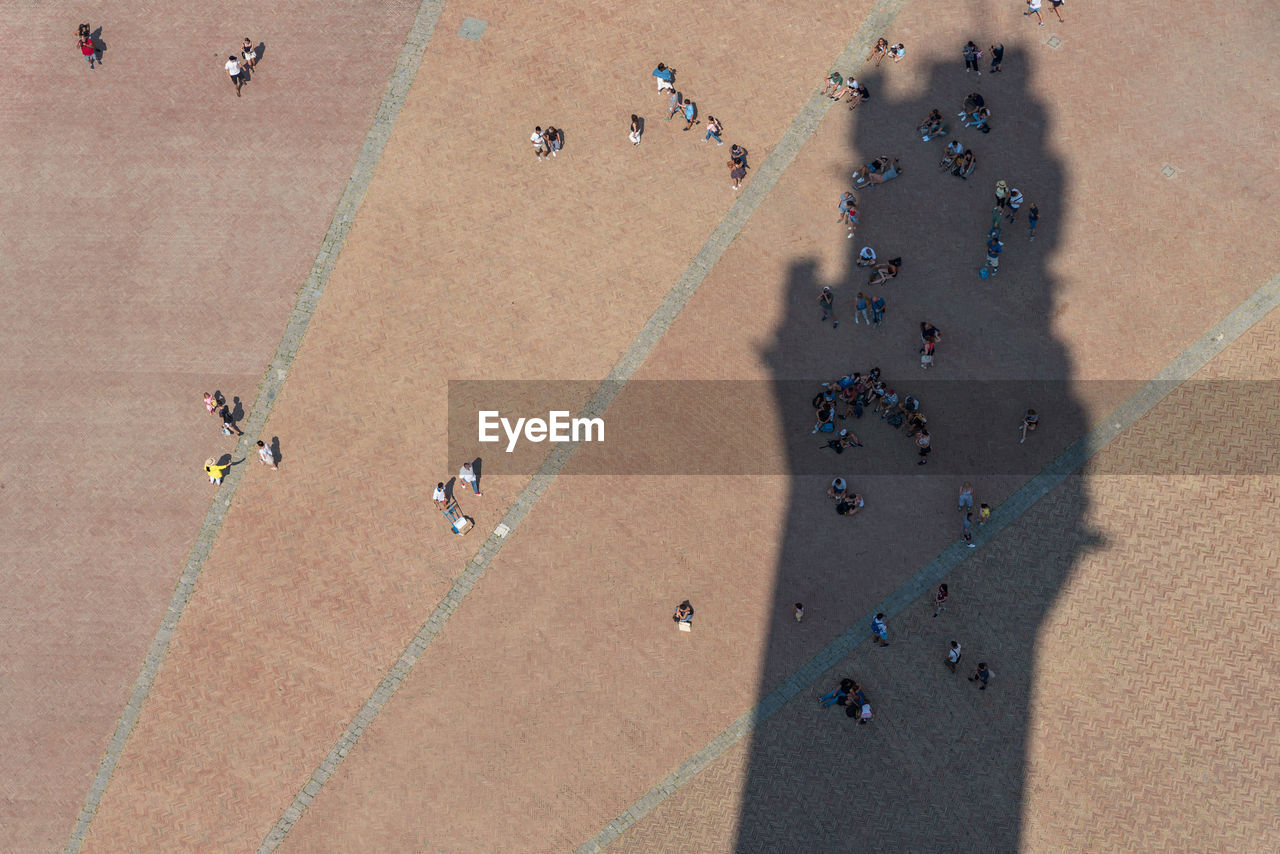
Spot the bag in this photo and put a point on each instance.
(827, 428)
(836, 445)
(895, 420)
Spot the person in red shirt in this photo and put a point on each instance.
(87, 48)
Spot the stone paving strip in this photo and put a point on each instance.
(753, 194)
(308, 298)
(1182, 368)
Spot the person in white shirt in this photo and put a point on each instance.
(1033, 7)
(439, 498)
(1014, 202)
(467, 475)
(233, 71)
(867, 257)
(539, 141)
(953, 656)
(267, 456)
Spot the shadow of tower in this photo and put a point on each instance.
(924, 776)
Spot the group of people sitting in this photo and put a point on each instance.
(975, 112)
(931, 126)
(958, 160)
(854, 393)
(876, 172)
(851, 90)
(881, 271)
(849, 694)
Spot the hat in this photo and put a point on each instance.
(844, 432)
(208, 462)
(826, 288)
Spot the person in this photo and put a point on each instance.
(267, 455)
(982, 675)
(965, 501)
(856, 94)
(216, 472)
(994, 246)
(966, 530)
(953, 656)
(834, 83)
(931, 126)
(674, 104)
(1014, 203)
(844, 440)
(210, 403)
(984, 513)
(848, 211)
(877, 310)
(866, 257)
(233, 72)
(925, 443)
(737, 171)
(228, 421)
(930, 337)
(1057, 10)
(690, 114)
(940, 600)
(467, 475)
(897, 51)
(738, 155)
(828, 302)
(683, 613)
(439, 497)
(877, 172)
(837, 489)
(836, 694)
(971, 57)
(978, 120)
(997, 57)
(1029, 421)
(666, 77)
(879, 51)
(1033, 217)
(951, 153)
(826, 414)
(880, 630)
(850, 505)
(1033, 8)
(713, 130)
(888, 400)
(249, 54)
(884, 271)
(915, 424)
(1002, 194)
(539, 143)
(860, 307)
(964, 165)
(799, 612)
(555, 140)
(634, 135)
(87, 48)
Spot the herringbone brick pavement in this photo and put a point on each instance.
(156, 231)
(1149, 683)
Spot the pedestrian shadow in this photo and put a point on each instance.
(237, 412)
(259, 52)
(448, 489)
(930, 773)
(476, 466)
(99, 46)
(275, 450)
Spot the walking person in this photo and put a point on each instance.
(940, 600)
(737, 171)
(635, 129)
(994, 247)
(267, 455)
(925, 443)
(799, 612)
(984, 513)
(216, 472)
(1033, 8)
(965, 501)
(827, 300)
(848, 211)
(84, 39)
(1033, 217)
(467, 475)
(690, 114)
(249, 54)
(880, 630)
(233, 71)
(210, 403)
(877, 310)
(674, 104)
(555, 139)
(1015, 202)
(714, 130)
(228, 421)
(966, 530)
(981, 675)
(440, 498)
(997, 57)
(1057, 10)
(837, 694)
(666, 77)
(953, 656)
(971, 57)
(1029, 421)
(539, 142)
(860, 309)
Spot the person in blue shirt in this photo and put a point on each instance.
(666, 77)
(994, 246)
(690, 111)
(684, 613)
(837, 694)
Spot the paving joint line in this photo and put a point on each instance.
(349, 202)
(725, 232)
(1183, 366)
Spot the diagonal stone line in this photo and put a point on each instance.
(309, 296)
(767, 174)
(1185, 365)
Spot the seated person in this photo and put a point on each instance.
(684, 613)
(898, 51)
(844, 440)
(866, 257)
(978, 118)
(964, 164)
(932, 126)
(877, 172)
(951, 153)
(833, 85)
(837, 489)
(885, 271)
(856, 94)
(850, 505)
(972, 101)
(826, 414)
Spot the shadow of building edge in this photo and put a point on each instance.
(794, 800)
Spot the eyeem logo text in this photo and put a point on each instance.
(556, 427)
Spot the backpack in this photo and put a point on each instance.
(895, 420)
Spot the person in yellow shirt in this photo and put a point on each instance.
(215, 471)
